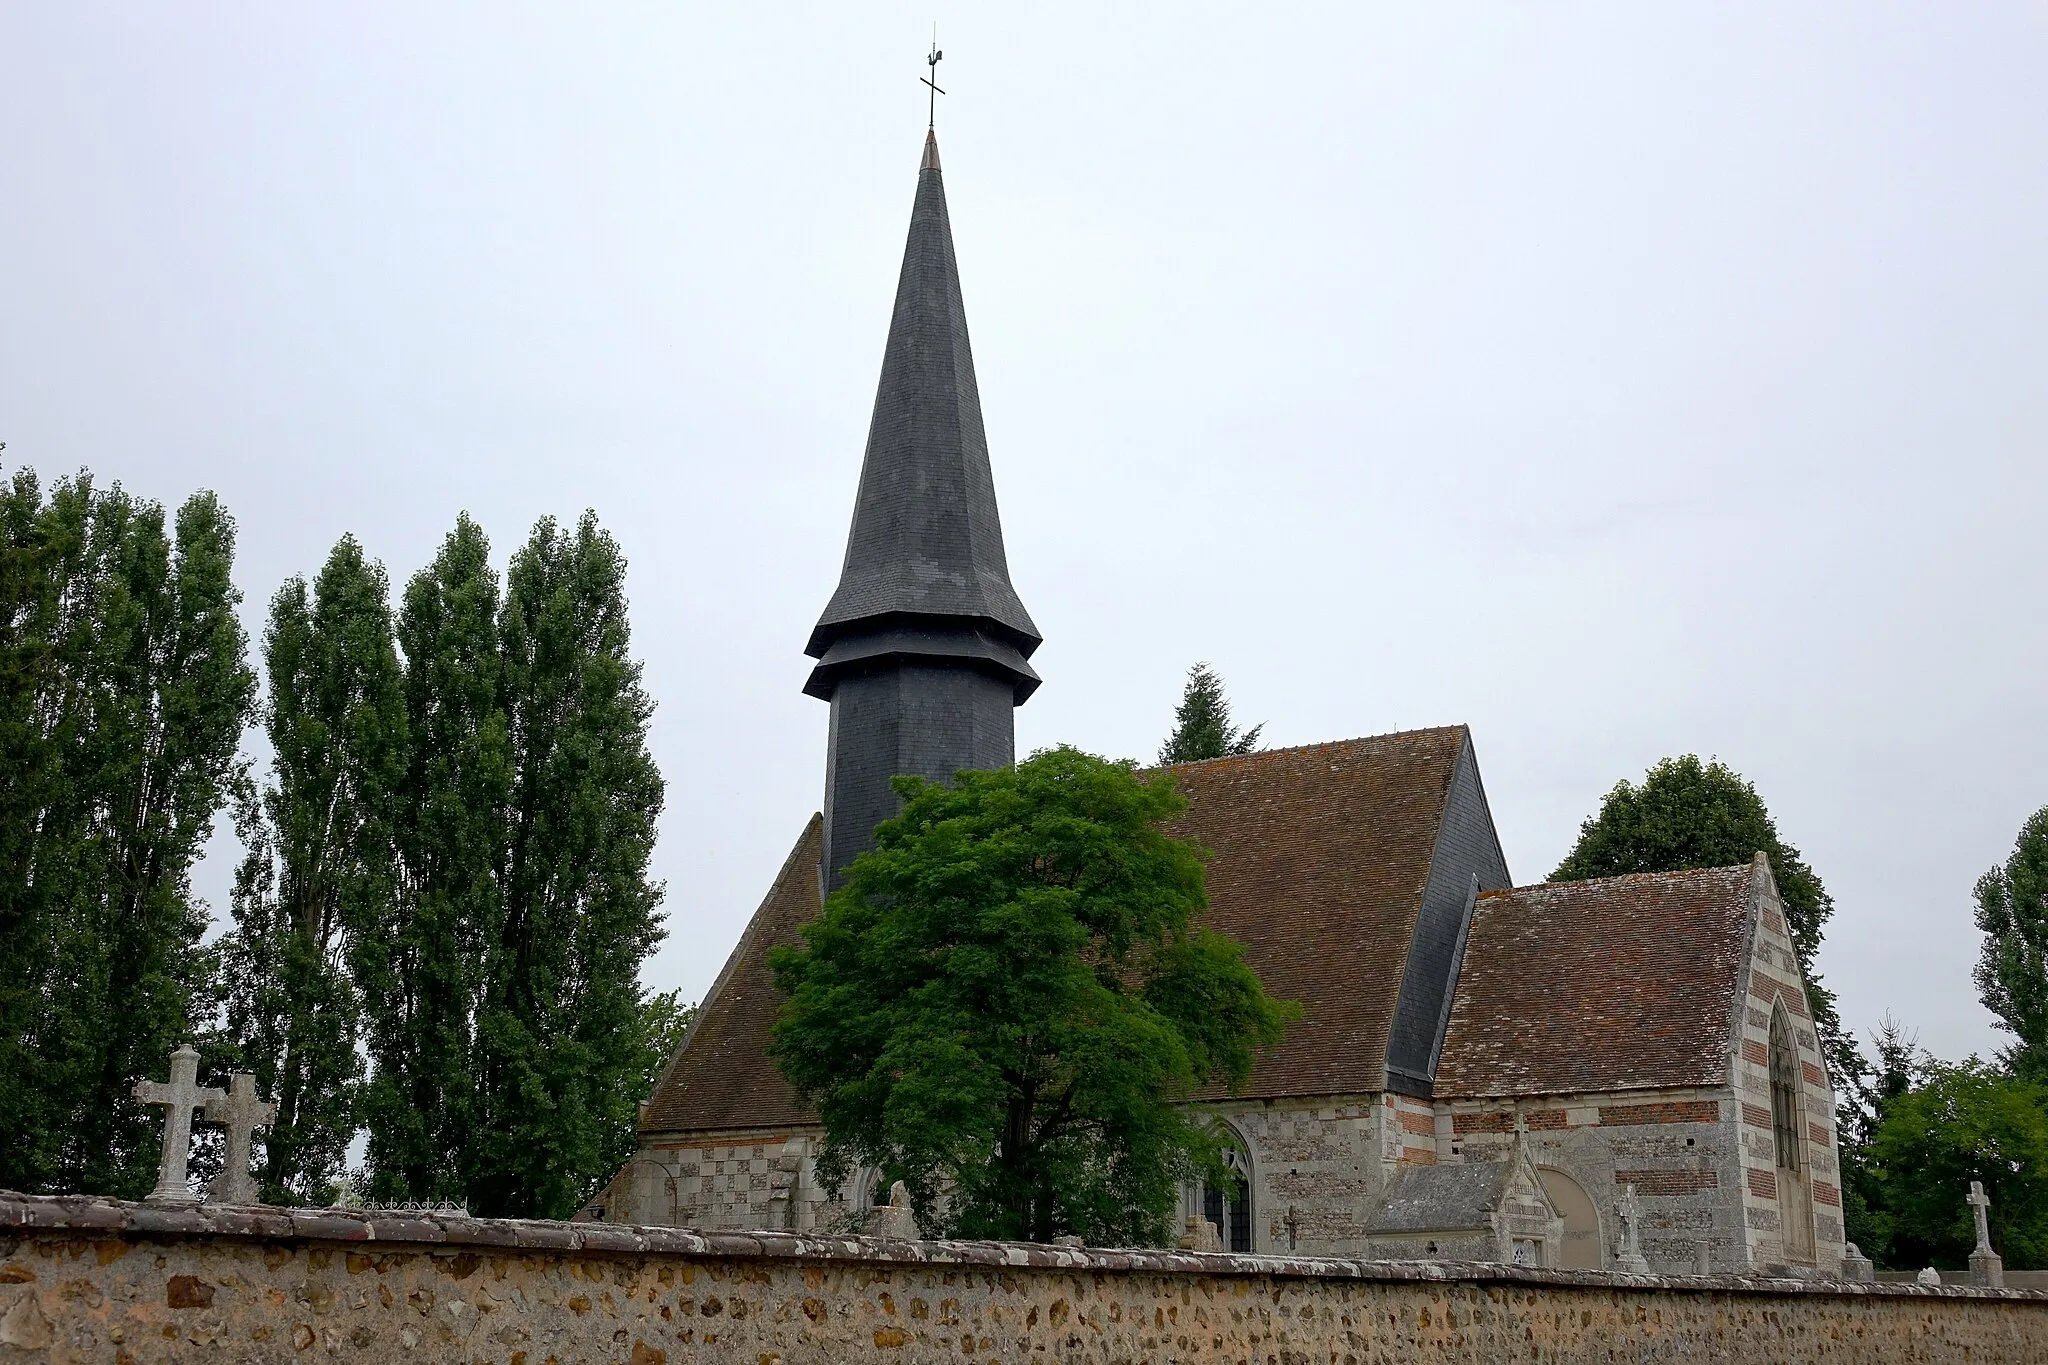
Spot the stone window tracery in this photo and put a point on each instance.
(1784, 1091)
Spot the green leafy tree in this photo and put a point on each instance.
(1688, 814)
(1011, 998)
(559, 1037)
(2012, 971)
(1963, 1123)
(1899, 1065)
(320, 866)
(422, 969)
(124, 689)
(1201, 724)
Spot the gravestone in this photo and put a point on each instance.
(1987, 1267)
(1200, 1235)
(893, 1219)
(180, 1097)
(1855, 1265)
(1629, 1255)
(241, 1114)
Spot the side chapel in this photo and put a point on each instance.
(1482, 1069)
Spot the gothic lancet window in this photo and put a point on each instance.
(1784, 1091)
(1229, 1206)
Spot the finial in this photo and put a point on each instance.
(931, 113)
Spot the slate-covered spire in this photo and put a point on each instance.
(923, 648)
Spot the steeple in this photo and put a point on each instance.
(922, 650)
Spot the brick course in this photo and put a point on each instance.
(1690, 1111)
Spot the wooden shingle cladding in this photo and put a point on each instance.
(1618, 983)
(1328, 863)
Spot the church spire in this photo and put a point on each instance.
(922, 649)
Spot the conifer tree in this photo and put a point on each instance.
(560, 1028)
(1201, 724)
(2012, 969)
(124, 687)
(320, 864)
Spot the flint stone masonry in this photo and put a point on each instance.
(88, 1280)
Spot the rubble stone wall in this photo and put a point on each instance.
(98, 1281)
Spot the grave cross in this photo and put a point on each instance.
(1630, 1215)
(1980, 1204)
(241, 1114)
(180, 1097)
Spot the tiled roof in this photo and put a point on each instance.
(1613, 984)
(1320, 858)
(721, 1077)
(1442, 1198)
(1320, 855)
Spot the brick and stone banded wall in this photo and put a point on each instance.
(86, 1280)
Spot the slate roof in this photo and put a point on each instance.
(721, 1076)
(1320, 857)
(1618, 983)
(1451, 1198)
(926, 540)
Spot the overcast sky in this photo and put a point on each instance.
(1620, 380)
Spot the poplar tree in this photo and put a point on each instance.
(422, 968)
(124, 688)
(560, 1029)
(2012, 968)
(320, 864)
(1201, 723)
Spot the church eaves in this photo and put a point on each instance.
(925, 573)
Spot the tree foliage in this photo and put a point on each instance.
(558, 1030)
(449, 869)
(1201, 724)
(1953, 1125)
(422, 970)
(1008, 1000)
(2012, 969)
(319, 865)
(124, 687)
(1688, 814)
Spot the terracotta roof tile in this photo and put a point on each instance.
(721, 1076)
(1613, 984)
(1320, 855)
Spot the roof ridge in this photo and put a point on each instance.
(1304, 748)
(1621, 877)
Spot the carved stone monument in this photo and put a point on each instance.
(241, 1114)
(1200, 1235)
(893, 1219)
(1987, 1267)
(1629, 1255)
(180, 1097)
(1855, 1265)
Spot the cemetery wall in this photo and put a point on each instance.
(95, 1280)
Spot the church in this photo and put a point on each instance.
(1610, 1074)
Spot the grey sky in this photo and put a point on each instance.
(1620, 380)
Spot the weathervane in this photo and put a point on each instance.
(932, 100)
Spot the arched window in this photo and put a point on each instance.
(1784, 1090)
(1229, 1206)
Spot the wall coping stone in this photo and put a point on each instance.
(85, 1214)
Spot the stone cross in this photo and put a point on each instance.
(241, 1114)
(180, 1097)
(1630, 1215)
(1980, 1204)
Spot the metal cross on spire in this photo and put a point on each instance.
(932, 100)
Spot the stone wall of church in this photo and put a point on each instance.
(98, 1281)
